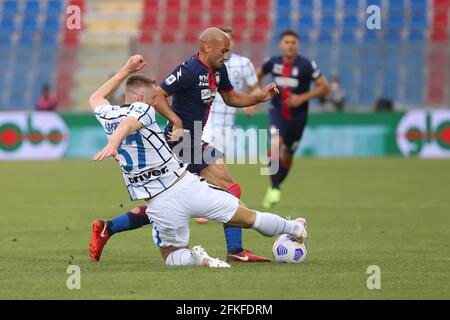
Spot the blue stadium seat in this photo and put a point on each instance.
(371, 36)
(348, 36)
(7, 24)
(49, 39)
(392, 35)
(419, 19)
(283, 6)
(29, 24)
(351, 22)
(52, 23)
(305, 23)
(54, 7)
(420, 5)
(306, 6)
(416, 35)
(32, 7)
(328, 21)
(329, 6)
(10, 8)
(26, 38)
(325, 36)
(396, 20)
(396, 5)
(351, 5)
(5, 40)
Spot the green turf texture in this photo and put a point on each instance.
(390, 212)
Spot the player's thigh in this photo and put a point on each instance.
(244, 217)
(167, 237)
(212, 202)
(217, 174)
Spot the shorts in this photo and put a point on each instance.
(290, 130)
(190, 197)
(219, 138)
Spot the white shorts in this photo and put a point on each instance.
(192, 196)
(219, 138)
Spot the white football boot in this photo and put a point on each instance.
(300, 232)
(203, 259)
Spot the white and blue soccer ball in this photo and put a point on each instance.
(287, 249)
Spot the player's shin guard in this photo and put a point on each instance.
(233, 235)
(128, 221)
(269, 224)
(180, 257)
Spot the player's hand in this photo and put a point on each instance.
(176, 134)
(269, 91)
(296, 100)
(135, 63)
(106, 152)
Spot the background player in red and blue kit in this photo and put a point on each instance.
(193, 86)
(288, 112)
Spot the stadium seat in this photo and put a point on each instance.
(329, 6)
(32, 7)
(217, 6)
(240, 5)
(351, 22)
(10, 8)
(306, 7)
(151, 5)
(194, 21)
(7, 24)
(5, 39)
(196, 6)
(261, 22)
(239, 21)
(52, 23)
(351, 6)
(328, 21)
(216, 19)
(173, 6)
(54, 7)
(392, 35)
(29, 24)
(26, 38)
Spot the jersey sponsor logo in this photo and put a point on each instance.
(203, 80)
(277, 68)
(286, 82)
(170, 79)
(206, 94)
(148, 175)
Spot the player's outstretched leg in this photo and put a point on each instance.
(102, 230)
(218, 175)
(269, 224)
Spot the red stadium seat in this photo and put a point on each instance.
(261, 22)
(258, 36)
(195, 21)
(151, 5)
(239, 21)
(146, 37)
(168, 37)
(217, 5)
(173, 5)
(216, 19)
(240, 5)
(172, 21)
(196, 6)
(190, 36)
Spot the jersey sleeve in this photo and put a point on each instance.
(315, 72)
(225, 83)
(181, 78)
(250, 73)
(142, 112)
(267, 65)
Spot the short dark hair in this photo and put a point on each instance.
(137, 81)
(227, 30)
(289, 33)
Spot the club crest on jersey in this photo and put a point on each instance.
(295, 72)
(277, 68)
(217, 78)
(236, 74)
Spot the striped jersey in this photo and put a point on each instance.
(240, 72)
(146, 160)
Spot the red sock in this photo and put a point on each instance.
(235, 189)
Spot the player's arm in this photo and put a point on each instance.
(321, 88)
(99, 97)
(128, 126)
(242, 100)
(161, 105)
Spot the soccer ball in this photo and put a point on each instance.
(287, 249)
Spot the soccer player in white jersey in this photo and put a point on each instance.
(173, 195)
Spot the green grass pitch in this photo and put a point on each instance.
(389, 212)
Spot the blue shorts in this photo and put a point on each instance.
(290, 130)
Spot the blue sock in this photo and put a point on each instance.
(233, 237)
(127, 221)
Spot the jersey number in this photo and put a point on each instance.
(136, 137)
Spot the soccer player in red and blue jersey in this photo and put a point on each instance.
(288, 112)
(193, 86)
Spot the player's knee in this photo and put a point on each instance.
(235, 189)
(139, 210)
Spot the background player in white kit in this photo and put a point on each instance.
(242, 73)
(151, 173)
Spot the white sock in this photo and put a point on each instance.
(269, 224)
(180, 257)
